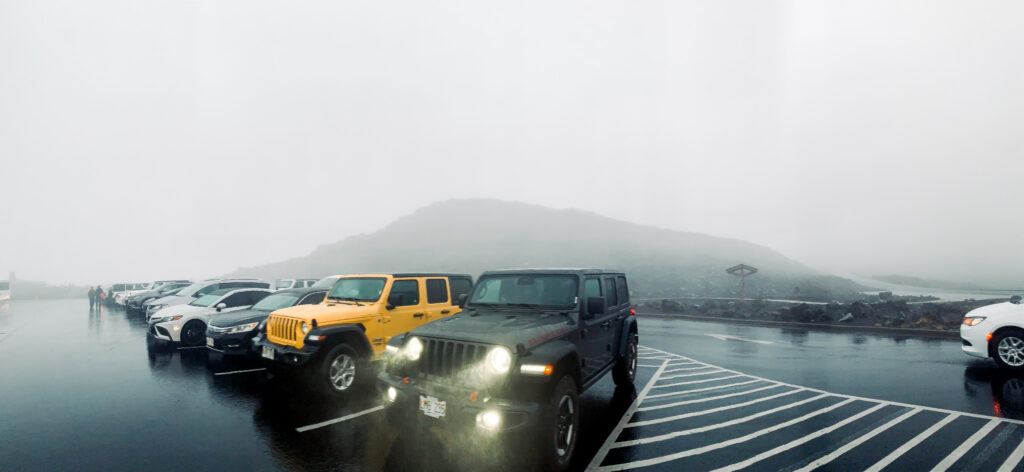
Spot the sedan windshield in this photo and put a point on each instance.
(277, 301)
(556, 292)
(205, 300)
(357, 289)
(191, 289)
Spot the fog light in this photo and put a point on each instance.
(392, 394)
(489, 419)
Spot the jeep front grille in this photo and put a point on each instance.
(445, 358)
(283, 330)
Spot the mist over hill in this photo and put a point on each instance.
(470, 236)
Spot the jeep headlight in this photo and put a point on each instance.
(242, 328)
(413, 349)
(499, 359)
(305, 327)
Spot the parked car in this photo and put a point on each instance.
(527, 344)
(326, 282)
(335, 341)
(232, 333)
(114, 294)
(196, 290)
(187, 323)
(135, 302)
(285, 284)
(996, 331)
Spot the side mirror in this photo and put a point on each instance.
(394, 300)
(1015, 299)
(221, 306)
(595, 306)
(462, 299)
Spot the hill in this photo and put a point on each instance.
(471, 236)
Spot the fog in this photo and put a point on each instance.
(143, 140)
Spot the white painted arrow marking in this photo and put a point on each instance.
(725, 337)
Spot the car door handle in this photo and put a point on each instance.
(445, 312)
(418, 315)
(606, 324)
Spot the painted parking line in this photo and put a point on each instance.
(240, 371)
(303, 429)
(749, 427)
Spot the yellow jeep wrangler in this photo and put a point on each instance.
(336, 340)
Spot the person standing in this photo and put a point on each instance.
(92, 297)
(99, 296)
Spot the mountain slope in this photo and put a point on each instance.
(471, 236)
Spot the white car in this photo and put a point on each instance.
(285, 284)
(996, 331)
(186, 324)
(198, 289)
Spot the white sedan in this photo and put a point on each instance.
(996, 331)
(187, 323)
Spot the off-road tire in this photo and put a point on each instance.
(1012, 339)
(193, 334)
(624, 371)
(558, 434)
(334, 371)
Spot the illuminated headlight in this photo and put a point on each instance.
(242, 328)
(166, 319)
(973, 320)
(305, 327)
(489, 419)
(499, 359)
(392, 394)
(413, 349)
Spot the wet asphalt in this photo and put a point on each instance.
(86, 390)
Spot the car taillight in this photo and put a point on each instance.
(632, 312)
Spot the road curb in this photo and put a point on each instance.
(920, 333)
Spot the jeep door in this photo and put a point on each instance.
(438, 300)
(597, 335)
(406, 297)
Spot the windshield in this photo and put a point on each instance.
(169, 289)
(205, 300)
(533, 291)
(326, 282)
(286, 283)
(192, 289)
(358, 289)
(277, 301)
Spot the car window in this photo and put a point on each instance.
(210, 288)
(284, 284)
(610, 294)
(408, 290)
(592, 287)
(237, 299)
(460, 287)
(620, 285)
(275, 302)
(437, 291)
(313, 298)
(255, 296)
(205, 300)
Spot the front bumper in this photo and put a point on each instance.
(285, 355)
(163, 332)
(231, 344)
(973, 340)
(463, 405)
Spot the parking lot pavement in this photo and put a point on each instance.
(693, 415)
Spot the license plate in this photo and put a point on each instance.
(268, 352)
(209, 341)
(432, 407)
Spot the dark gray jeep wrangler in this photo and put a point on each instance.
(517, 358)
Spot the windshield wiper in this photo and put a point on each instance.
(346, 299)
(524, 305)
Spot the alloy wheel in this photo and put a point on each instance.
(564, 426)
(342, 372)
(1011, 351)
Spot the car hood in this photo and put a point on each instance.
(144, 293)
(508, 328)
(171, 300)
(183, 310)
(238, 317)
(997, 309)
(327, 314)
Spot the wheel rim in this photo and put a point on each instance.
(343, 372)
(1011, 351)
(564, 427)
(190, 334)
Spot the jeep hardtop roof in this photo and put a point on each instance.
(553, 271)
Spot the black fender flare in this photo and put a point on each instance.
(628, 326)
(354, 334)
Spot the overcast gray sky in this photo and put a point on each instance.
(141, 140)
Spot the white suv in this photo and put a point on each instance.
(996, 331)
